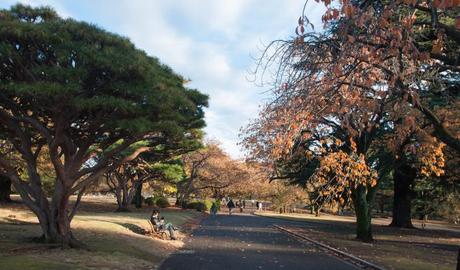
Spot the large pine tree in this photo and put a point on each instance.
(85, 95)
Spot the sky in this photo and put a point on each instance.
(214, 43)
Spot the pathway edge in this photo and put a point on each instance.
(334, 250)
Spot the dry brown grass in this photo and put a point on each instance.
(114, 239)
(432, 248)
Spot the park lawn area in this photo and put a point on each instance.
(393, 248)
(115, 240)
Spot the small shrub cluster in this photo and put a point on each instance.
(218, 204)
(150, 201)
(201, 206)
(159, 201)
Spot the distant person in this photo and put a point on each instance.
(230, 206)
(257, 205)
(214, 208)
(161, 224)
(244, 203)
(260, 206)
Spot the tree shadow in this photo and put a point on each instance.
(439, 246)
(133, 228)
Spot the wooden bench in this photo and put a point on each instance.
(157, 232)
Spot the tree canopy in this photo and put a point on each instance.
(86, 95)
(379, 69)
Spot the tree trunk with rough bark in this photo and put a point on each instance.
(5, 189)
(138, 196)
(54, 215)
(124, 188)
(363, 214)
(404, 177)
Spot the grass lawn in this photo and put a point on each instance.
(114, 239)
(393, 248)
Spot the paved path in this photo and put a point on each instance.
(247, 242)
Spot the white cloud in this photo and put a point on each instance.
(210, 42)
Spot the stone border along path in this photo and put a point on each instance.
(333, 251)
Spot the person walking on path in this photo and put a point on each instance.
(214, 208)
(230, 206)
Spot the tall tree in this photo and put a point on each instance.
(209, 172)
(126, 181)
(412, 47)
(5, 181)
(370, 60)
(86, 95)
(5, 188)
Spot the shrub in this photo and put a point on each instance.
(208, 204)
(192, 205)
(218, 204)
(162, 202)
(150, 201)
(198, 205)
(134, 200)
(201, 206)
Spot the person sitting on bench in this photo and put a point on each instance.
(161, 224)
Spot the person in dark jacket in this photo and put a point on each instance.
(213, 209)
(230, 206)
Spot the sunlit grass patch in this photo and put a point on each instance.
(115, 240)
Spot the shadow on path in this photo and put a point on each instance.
(247, 242)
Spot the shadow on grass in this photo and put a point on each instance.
(13, 221)
(132, 227)
(346, 227)
(439, 246)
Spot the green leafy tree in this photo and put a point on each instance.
(86, 95)
(153, 165)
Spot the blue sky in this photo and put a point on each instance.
(211, 42)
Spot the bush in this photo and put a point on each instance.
(150, 201)
(134, 199)
(199, 206)
(162, 202)
(192, 205)
(218, 204)
(208, 204)
(202, 206)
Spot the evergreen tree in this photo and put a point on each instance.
(86, 95)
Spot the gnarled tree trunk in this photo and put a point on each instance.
(124, 189)
(138, 195)
(54, 214)
(55, 223)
